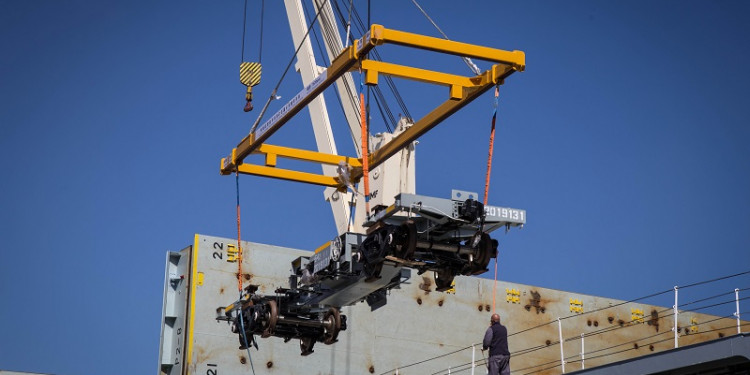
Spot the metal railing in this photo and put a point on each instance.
(477, 365)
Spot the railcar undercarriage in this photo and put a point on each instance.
(446, 236)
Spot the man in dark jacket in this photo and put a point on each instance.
(496, 339)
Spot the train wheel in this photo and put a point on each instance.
(372, 271)
(486, 251)
(272, 316)
(407, 241)
(443, 279)
(333, 326)
(306, 345)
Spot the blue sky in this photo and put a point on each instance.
(626, 140)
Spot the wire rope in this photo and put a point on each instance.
(286, 70)
(706, 299)
(713, 280)
(427, 360)
(239, 270)
(352, 98)
(459, 368)
(244, 25)
(330, 40)
(376, 55)
(262, 17)
(474, 68)
(613, 328)
(539, 347)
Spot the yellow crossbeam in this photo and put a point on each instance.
(289, 175)
(305, 155)
(455, 82)
(272, 153)
(517, 59)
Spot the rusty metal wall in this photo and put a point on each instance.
(418, 324)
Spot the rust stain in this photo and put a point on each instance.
(426, 285)
(487, 307)
(535, 302)
(200, 354)
(596, 323)
(419, 301)
(654, 320)
(247, 276)
(610, 319)
(372, 369)
(269, 364)
(480, 308)
(221, 291)
(440, 303)
(243, 360)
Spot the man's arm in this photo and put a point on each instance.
(487, 339)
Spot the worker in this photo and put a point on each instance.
(496, 339)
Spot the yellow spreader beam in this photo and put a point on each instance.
(462, 90)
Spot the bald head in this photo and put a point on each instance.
(495, 318)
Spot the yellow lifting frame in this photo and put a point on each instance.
(462, 91)
(272, 153)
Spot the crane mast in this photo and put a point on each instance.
(398, 174)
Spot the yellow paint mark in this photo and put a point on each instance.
(693, 325)
(452, 290)
(232, 253)
(576, 305)
(325, 245)
(199, 279)
(636, 315)
(512, 295)
(191, 298)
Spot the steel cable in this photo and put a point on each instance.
(352, 98)
(239, 270)
(376, 55)
(706, 299)
(473, 67)
(244, 24)
(330, 40)
(713, 280)
(262, 16)
(518, 353)
(286, 70)
(609, 329)
(384, 109)
(635, 347)
(427, 360)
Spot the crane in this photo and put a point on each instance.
(376, 250)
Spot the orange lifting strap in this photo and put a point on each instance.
(487, 181)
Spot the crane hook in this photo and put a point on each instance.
(249, 76)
